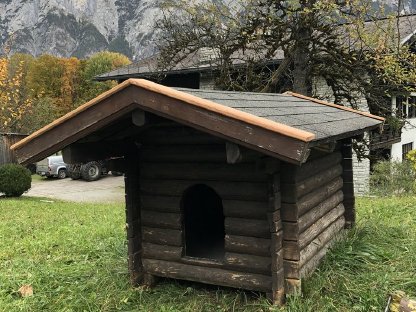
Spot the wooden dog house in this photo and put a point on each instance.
(244, 190)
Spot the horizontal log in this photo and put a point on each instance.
(246, 227)
(202, 171)
(177, 135)
(248, 263)
(184, 153)
(275, 224)
(226, 190)
(298, 270)
(161, 203)
(309, 235)
(293, 252)
(162, 236)
(326, 238)
(310, 266)
(293, 174)
(319, 211)
(161, 219)
(247, 245)
(215, 276)
(162, 252)
(246, 209)
(308, 217)
(292, 192)
(307, 202)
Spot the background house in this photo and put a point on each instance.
(198, 71)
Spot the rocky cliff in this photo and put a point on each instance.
(77, 27)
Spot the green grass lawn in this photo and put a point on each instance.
(74, 255)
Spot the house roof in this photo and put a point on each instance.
(204, 59)
(281, 125)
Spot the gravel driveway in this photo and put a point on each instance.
(107, 189)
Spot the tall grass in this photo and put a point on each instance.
(74, 256)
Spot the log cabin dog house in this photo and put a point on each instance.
(244, 190)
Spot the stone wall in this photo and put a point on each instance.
(361, 168)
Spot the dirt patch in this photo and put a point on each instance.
(107, 189)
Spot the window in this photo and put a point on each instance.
(204, 223)
(406, 106)
(406, 148)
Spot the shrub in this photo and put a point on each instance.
(392, 178)
(14, 180)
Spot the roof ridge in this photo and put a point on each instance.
(366, 114)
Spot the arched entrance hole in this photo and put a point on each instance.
(204, 223)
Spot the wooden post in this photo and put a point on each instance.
(348, 187)
(133, 222)
(277, 295)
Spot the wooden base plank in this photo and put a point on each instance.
(214, 276)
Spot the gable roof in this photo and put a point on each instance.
(281, 125)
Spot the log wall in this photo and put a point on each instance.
(312, 213)
(251, 198)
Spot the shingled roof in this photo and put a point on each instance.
(281, 125)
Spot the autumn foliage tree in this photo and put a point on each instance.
(35, 91)
(14, 104)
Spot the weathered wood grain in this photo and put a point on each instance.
(162, 252)
(293, 174)
(161, 203)
(245, 209)
(162, 236)
(161, 219)
(292, 250)
(184, 153)
(247, 245)
(246, 227)
(202, 171)
(277, 296)
(292, 192)
(226, 190)
(292, 211)
(214, 276)
(248, 263)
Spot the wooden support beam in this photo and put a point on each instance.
(228, 278)
(85, 152)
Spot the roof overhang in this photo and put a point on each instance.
(271, 138)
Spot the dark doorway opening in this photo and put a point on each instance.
(204, 223)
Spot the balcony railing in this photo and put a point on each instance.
(386, 138)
